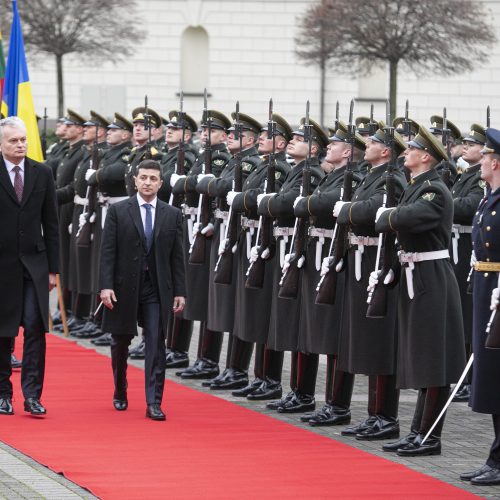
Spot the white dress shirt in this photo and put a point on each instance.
(142, 202)
(10, 170)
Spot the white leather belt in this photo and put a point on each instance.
(458, 228)
(186, 210)
(320, 232)
(456, 231)
(283, 231)
(410, 258)
(106, 201)
(221, 214)
(361, 242)
(78, 200)
(249, 223)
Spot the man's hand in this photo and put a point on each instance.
(174, 178)
(297, 200)
(108, 297)
(179, 303)
(231, 196)
(202, 176)
(338, 207)
(52, 281)
(208, 230)
(89, 173)
(495, 299)
(263, 195)
(380, 211)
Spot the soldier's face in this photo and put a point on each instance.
(471, 152)
(234, 144)
(336, 152)
(373, 151)
(60, 129)
(89, 133)
(414, 157)
(14, 144)
(141, 135)
(114, 136)
(217, 136)
(73, 132)
(297, 148)
(173, 136)
(148, 182)
(488, 164)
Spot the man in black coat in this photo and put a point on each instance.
(142, 281)
(29, 262)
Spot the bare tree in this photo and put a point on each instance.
(443, 37)
(101, 30)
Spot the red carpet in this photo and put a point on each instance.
(207, 448)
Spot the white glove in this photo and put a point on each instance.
(339, 266)
(202, 176)
(82, 220)
(389, 277)
(372, 281)
(222, 245)
(262, 195)
(196, 228)
(174, 178)
(89, 173)
(92, 218)
(495, 299)
(380, 211)
(286, 262)
(297, 200)
(301, 261)
(70, 228)
(338, 207)
(230, 197)
(461, 163)
(325, 266)
(208, 230)
(473, 259)
(254, 254)
(265, 254)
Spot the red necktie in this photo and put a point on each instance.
(18, 183)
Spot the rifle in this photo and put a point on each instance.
(327, 286)
(407, 121)
(176, 200)
(197, 250)
(488, 117)
(256, 270)
(446, 174)
(373, 125)
(84, 234)
(493, 328)
(44, 134)
(377, 298)
(289, 283)
(224, 267)
(148, 155)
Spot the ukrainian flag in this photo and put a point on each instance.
(17, 99)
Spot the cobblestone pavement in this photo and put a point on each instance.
(466, 439)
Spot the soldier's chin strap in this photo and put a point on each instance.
(452, 395)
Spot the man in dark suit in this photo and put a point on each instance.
(142, 281)
(28, 264)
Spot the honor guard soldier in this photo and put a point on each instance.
(285, 312)
(65, 196)
(57, 150)
(242, 140)
(368, 345)
(467, 192)
(431, 352)
(320, 325)
(406, 129)
(199, 223)
(253, 305)
(146, 124)
(485, 395)
(176, 132)
(452, 134)
(109, 181)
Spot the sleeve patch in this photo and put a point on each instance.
(429, 196)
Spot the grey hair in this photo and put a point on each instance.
(11, 121)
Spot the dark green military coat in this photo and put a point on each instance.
(168, 166)
(55, 154)
(285, 313)
(431, 350)
(368, 345)
(253, 306)
(137, 154)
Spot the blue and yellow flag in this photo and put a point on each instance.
(17, 99)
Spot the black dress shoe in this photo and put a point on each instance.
(274, 405)
(177, 359)
(269, 389)
(75, 324)
(489, 478)
(217, 379)
(6, 406)
(357, 429)
(462, 395)
(103, 340)
(154, 412)
(89, 333)
(202, 369)
(235, 379)
(382, 429)
(298, 404)
(467, 476)
(248, 389)
(393, 447)
(14, 362)
(139, 351)
(33, 406)
(416, 449)
(120, 404)
(330, 415)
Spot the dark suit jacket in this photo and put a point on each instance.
(28, 241)
(123, 251)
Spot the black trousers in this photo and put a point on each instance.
(494, 455)
(155, 362)
(33, 370)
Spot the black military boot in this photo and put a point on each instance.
(179, 342)
(241, 353)
(258, 373)
(372, 406)
(387, 403)
(274, 405)
(435, 399)
(271, 387)
(225, 372)
(139, 351)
